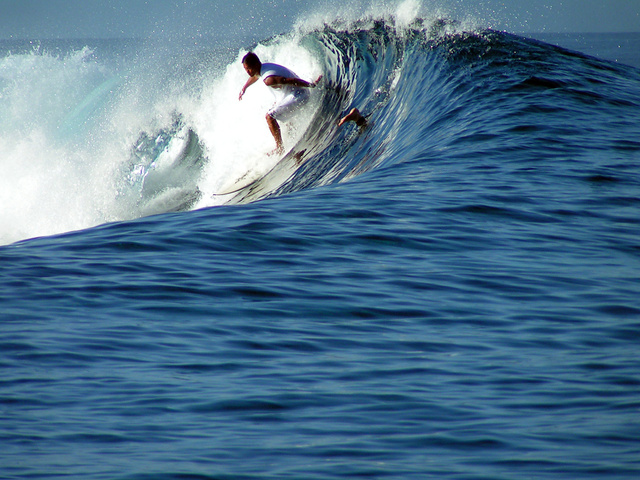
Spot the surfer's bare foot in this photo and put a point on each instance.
(353, 116)
(276, 151)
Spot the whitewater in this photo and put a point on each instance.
(449, 293)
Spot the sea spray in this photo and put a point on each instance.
(50, 179)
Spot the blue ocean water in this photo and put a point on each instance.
(451, 292)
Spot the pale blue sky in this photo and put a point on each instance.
(40, 19)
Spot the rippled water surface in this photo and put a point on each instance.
(462, 304)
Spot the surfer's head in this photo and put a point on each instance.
(252, 64)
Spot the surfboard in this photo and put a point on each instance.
(274, 178)
(250, 179)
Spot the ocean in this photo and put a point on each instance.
(449, 293)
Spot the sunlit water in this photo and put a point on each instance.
(450, 293)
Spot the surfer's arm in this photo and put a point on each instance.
(250, 82)
(275, 81)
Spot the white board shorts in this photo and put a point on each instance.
(288, 107)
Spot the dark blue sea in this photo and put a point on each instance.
(452, 292)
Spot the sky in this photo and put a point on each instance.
(45, 19)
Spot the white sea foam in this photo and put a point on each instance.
(69, 125)
(51, 181)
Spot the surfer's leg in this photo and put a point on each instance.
(290, 106)
(353, 116)
(275, 131)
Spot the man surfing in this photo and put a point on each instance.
(290, 92)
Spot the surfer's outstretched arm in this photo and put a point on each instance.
(275, 81)
(250, 82)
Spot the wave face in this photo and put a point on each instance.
(87, 141)
(434, 94)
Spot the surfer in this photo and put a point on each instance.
(290, 92)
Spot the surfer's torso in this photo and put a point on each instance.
(273, 69)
